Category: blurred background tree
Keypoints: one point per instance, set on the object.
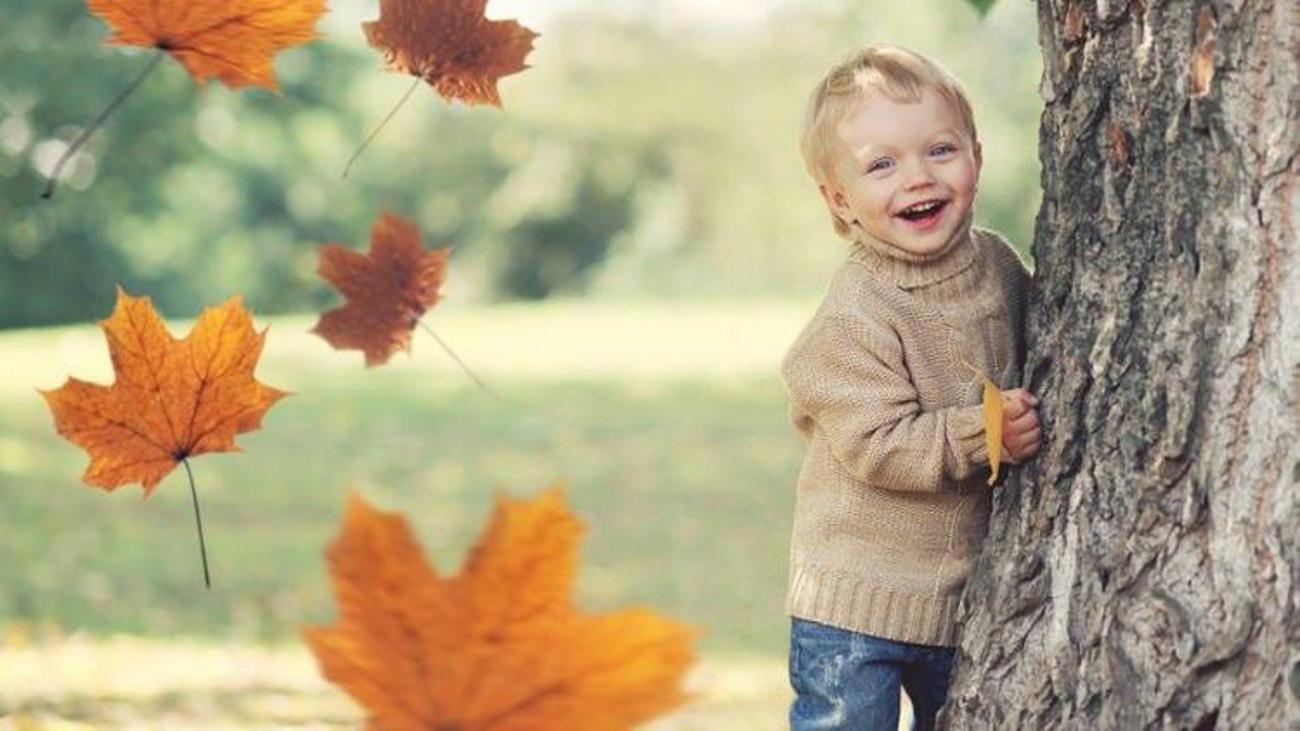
(651, 151)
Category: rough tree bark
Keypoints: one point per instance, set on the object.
(1144, 573)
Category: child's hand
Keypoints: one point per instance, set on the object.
(1020, 431)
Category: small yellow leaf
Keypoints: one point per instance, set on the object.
(993, 426)
(1203, 58)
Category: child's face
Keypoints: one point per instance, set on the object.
(906, 171)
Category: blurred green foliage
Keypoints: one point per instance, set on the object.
(641, 156)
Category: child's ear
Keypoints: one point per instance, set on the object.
(836, 201)
(979, 159)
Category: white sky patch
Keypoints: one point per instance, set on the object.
(342, 21)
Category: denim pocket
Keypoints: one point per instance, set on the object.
(818, 654)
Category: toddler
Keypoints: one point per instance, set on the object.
(892, 501)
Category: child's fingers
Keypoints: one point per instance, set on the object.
(1013, 405)
(1027, 439)
(1018, 398)
(1019, 395)
(1030, 449)
(1022, 422)
(1026, 453)
(1020, 428)
(1024, 445)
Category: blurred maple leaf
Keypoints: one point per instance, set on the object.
(500, 646)
(233, 40)
(451, 45)
(172, 400)
(388, 290)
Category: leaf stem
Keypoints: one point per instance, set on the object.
(98, 122)
(459, 362)
(382, 124)
(198, 520)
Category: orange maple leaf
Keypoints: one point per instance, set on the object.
(388, 290)
(451, 45)
(232, 40)
(499, 647)
(172, 399)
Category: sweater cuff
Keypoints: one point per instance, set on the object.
(966, 434)
(966, 439)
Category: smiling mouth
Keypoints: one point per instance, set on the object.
(924, 211)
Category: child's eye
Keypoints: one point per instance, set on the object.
(945, 148)
(880, 164)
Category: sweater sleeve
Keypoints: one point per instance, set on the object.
(1016, 281)
(848, 381)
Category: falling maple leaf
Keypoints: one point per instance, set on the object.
(172, 399)
(233, 40)
(388, 290)
(498, 647)
(451, 45)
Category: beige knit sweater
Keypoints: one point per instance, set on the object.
(892, 502)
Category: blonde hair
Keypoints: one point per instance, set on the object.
(898, 73)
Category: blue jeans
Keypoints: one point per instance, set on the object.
(847, 680)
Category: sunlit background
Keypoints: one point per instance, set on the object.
(635, 243)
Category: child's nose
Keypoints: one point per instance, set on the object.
(917, 175)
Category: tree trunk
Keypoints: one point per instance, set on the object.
(1144, 571)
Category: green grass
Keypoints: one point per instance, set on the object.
(666, 422)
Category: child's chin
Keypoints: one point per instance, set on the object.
(923, 242)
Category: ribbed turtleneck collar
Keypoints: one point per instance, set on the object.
(910, 270)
